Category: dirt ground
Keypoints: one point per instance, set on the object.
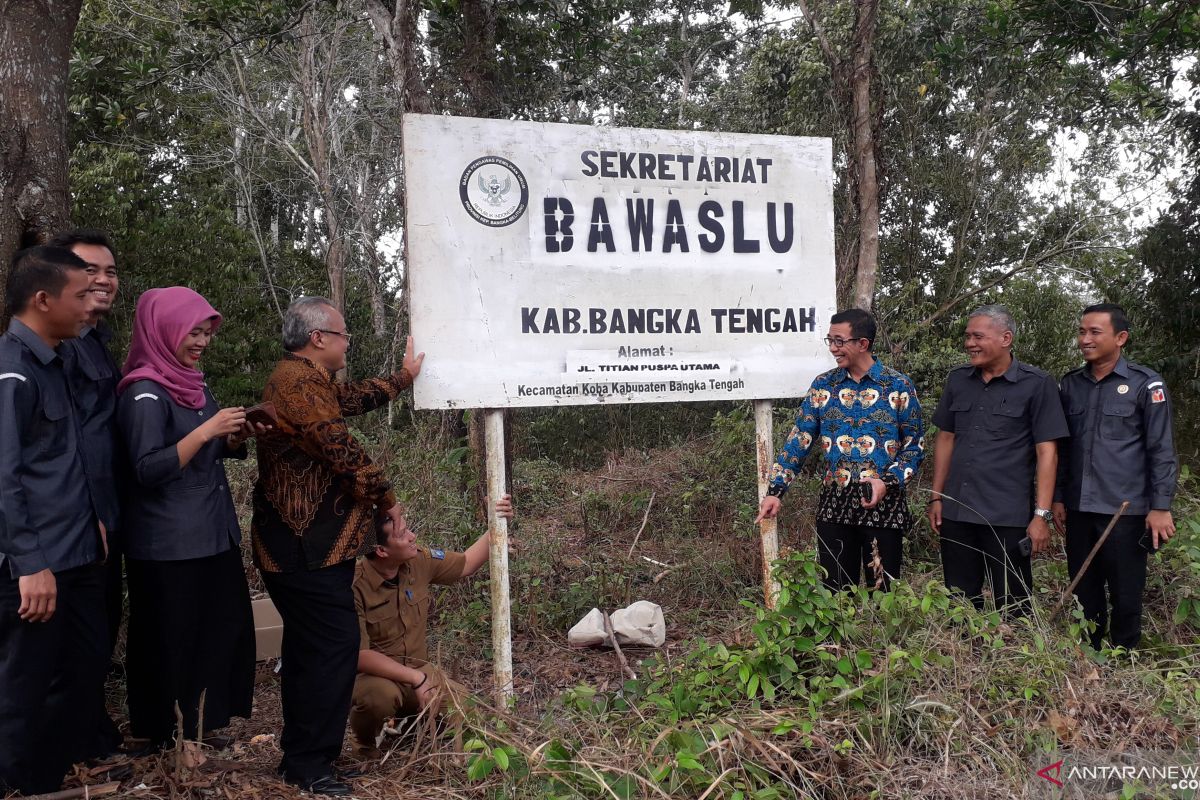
(419, 767)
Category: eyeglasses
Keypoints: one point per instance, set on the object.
(347, 336)
(840, 342)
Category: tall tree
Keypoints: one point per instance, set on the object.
(35, 57)
(855, 96)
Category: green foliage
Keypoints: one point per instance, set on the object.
(1174, 572)
(573, 435)
(493, 758)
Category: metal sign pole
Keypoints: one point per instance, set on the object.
(502, 669)
(768, 528)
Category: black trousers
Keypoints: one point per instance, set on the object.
(972, 552)
(320, 662)
(51, 681)
(114, 594)
(108, 737)
(845, 553)
(1120, 566)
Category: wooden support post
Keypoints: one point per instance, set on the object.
(768, 528)
(502, 670)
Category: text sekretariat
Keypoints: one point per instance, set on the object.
(669, 224)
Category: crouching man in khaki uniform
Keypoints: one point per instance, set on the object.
(391, 595)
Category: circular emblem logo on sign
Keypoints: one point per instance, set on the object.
(493, 191)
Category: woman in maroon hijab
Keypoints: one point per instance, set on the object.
(191, 633)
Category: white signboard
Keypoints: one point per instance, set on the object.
(565, 264)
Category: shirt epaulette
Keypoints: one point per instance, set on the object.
(1075, 371)
(1144, 370)
(1031, 369)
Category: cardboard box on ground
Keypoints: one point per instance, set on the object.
(268, 629)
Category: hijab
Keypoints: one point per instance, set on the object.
(163, 319)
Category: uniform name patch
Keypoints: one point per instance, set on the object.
(436, 553)
(1158, 396)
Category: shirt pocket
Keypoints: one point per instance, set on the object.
(1076, 419)
(1006, 420)
(961, 409)
(97, 371)
(417, 610)
(380, 620)
(52, 423)
(1119, 420)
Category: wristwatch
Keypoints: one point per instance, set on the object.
(1044, 513)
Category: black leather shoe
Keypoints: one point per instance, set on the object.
(326, 785)
(218, 741)
(349, 773)
(143, 749)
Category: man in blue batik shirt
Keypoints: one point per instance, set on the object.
(867, 419)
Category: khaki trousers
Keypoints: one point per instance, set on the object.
(377, 699)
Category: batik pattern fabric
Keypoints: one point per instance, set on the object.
(866, 429)
(318, 490)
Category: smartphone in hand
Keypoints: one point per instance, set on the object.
(262, 414)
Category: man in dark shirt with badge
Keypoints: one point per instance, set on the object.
(53, 635)
(1121, 448)
(999, 421)
(93, 374)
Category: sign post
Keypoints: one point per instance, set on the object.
(768, 528)
(558, 265)
(502, 671)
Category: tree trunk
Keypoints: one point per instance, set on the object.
(314, 79)
(35, 54)
(865, 167)
(401, 36)
(478, 69)
(851, 89)
(335, 264)
(375, 290)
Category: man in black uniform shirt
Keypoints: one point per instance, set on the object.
(1121, 448)
(93, 374)
(53, 635)
(999, 421)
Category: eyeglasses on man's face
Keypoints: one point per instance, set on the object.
(837, 341)
(347, 336)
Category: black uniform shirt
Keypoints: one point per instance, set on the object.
(94, 375)
(43, 486)
(1121, 445)
(996, 426)
(173, 513)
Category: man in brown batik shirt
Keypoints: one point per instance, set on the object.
(315, 504)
